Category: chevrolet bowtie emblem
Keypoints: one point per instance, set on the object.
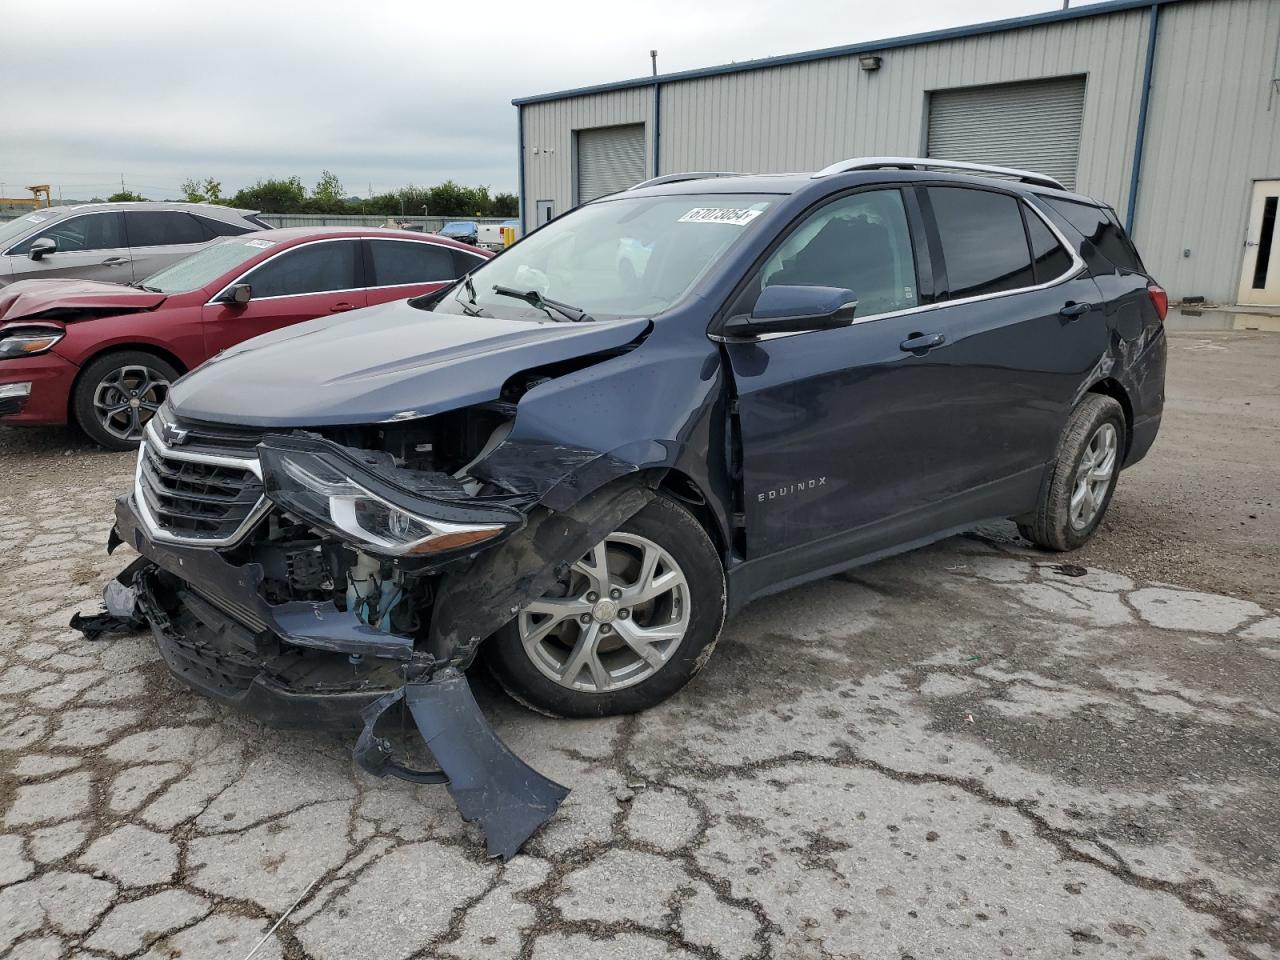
(173, 435)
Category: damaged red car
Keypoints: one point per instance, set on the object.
(104, 355)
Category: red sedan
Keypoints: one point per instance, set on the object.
(103, 354)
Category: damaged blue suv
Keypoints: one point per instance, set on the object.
(577, 461)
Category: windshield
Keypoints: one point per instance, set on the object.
(633, 256)
(16, 228)
(203, 268)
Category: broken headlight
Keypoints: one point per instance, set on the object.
(363, 497)
(28, 343)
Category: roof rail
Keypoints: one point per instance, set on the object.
(681, 177)
(927, 163)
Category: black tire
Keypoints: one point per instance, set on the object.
(124, 367)
(673, 529)
(1052, 525)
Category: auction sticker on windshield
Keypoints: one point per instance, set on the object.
(738, 216)
(263, 244)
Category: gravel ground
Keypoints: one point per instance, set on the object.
(965, 751)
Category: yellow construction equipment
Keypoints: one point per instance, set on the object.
(33, 201)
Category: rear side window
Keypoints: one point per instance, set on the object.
(399, 262)
(93, 231)
(1049, 256)
(220, 228)
(984, 245)
(1101, 227)
(314, 268)
(160, 228)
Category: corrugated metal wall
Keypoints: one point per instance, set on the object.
(549, 161)
(1213, 128)
(804, 116)
(1210, 132)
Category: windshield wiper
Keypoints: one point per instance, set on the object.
(469, 306)
(139, 285)
(535, 299)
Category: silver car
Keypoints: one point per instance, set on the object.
(120, 242)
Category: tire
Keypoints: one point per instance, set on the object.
(113, 382)
(619, 680)
(1072, 504)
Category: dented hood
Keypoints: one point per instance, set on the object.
(387, 361)
(30, 298)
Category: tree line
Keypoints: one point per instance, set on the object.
(290, 195)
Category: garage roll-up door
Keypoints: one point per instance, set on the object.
(1034, 125)
(609, 159)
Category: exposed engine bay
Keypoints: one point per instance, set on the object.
(354, 572)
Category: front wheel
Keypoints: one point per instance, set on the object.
(118, 393)
(1084, 477)
(628, 625)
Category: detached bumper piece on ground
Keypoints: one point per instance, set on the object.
(305, 663)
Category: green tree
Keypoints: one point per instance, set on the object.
(327, 197)
(207, 190)
(124, 196)
(273, 196)
(506, 205)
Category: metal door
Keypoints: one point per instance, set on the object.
(609, 159)
(1260, 280)
(1035, 126)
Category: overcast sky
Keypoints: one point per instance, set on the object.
(381, 92)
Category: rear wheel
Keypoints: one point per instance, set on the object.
(629, 624)
(1084, 477)
(118, 393)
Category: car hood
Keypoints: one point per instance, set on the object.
(62, 299)
(383, 362)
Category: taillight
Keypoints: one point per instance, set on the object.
(1159, 299)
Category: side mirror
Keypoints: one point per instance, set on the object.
(240, 294)
(42, 248)
(794, 309)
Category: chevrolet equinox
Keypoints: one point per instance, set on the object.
(576, 461)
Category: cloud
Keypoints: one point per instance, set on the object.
(383, 93)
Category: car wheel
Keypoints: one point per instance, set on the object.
(1084, 477)
(117, 394)
(627, 626)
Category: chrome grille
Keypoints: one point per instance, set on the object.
(194, 496)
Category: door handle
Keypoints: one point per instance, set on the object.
(922, 343)
(1251, 243)
(1072, 310)
(342, 307)
(116, 261)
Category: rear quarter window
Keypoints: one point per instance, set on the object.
(1101, 228)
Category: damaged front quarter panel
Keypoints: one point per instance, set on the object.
(476, 595)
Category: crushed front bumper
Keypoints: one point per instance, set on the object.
(309, 664)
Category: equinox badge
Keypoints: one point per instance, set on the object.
(790, 489)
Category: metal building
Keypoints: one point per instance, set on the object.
(1167, 109)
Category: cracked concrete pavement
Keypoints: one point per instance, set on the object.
(969, 751)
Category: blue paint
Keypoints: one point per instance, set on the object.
(827, 53)
(520, 198)
(1135, 175)
(657, 129)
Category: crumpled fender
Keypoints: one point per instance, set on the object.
(475, 600)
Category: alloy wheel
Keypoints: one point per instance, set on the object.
(1094, 475)
(126, 398)
(615, 620)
